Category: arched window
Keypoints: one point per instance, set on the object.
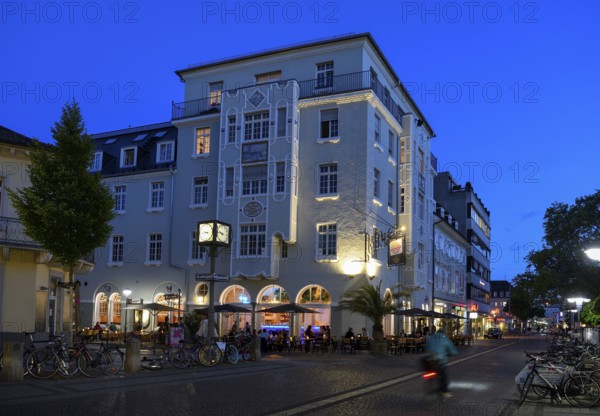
(315, 294)
(115, 308)
(101, 314)
(274, 294)
(235, 294)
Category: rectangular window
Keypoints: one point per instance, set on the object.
(377, 129)
(254, 180)
(165, 152)
(128, 157)
(280, 177)
(198, 252)
(391, 143)
(402, 152)
(420, 255)
(157, 195)
(214, 93)
(284, 250)
(256, 126)
(200, 191)
(231, 128)
(253, 240)
(329, 123)
(268, 77)
(376, 179)
(117, 249)
(281, 122)
(327, 241)
(119, 193)
(328, 179)
(155, 247)
(421, 161)
(96, 165)
(375, 243)
(402, 201)
(255, 152)
(391, 194)
(325, 75)
(202, 141)
(421, 206)
(229, 182)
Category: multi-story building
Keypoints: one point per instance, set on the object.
(499, 305)
(315, 154)
(474, 223)
(450, 265)
(31, 295)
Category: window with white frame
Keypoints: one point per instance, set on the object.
(253, 239)
(256, 126)
(231, 128)
(327, 241)
(329, 123)
(117, 249)
(268, 77)
(165, 152)
(157, 195)
(197, 252)
(202, 145)
(325, 75)
(128, 157)
(120, 196)
(402, 152)
(200, 191)
(280, 177)
(391, 143)
(377, 129)
(391, 194)
(254, 180)
(154, 247)
(376, 180)
(96, 164)
(328, 179)
(215, 89)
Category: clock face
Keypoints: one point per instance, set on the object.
(223, 234)
(205, 233)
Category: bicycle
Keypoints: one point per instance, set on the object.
(105, 361)
(28, 348)
(229, 352)
(580, 389)
(47, 362)
(187, 354)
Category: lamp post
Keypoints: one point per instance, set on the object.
(593, 252)
(212, 234)
(126, 293)
(578, 303)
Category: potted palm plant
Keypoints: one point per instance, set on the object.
(367, 301)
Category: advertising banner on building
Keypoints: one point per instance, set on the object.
(396, 251)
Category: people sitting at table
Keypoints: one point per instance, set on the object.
(349, 333)
(364, 333)
(308, 336)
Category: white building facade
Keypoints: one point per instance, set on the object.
(313, 154)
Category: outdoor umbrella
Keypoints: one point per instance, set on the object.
(453, 316)
(154, 307)
(290, 308)
(227, 307)
(417, 312)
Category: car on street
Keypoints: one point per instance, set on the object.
(493, 333)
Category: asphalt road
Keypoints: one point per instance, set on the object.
(482, 383)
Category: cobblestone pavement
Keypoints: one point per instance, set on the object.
(295, 383)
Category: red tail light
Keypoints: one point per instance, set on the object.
(429, 374)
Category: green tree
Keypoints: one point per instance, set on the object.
(368, 302)
(523, 299)
(67, 208)
(560, 267)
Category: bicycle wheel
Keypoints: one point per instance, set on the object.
(526, 387)
(42, 363)
(90, 364)
(582, 391)
(232, 354)
(209, 355)
(179, 357)
(112, 361)
(68, 366)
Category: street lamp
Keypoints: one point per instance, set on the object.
(126, 293)
(213, 234)
(593, 252)
(578, 303)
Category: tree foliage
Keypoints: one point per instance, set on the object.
(67, 208)
(368, 302)
(560, 269)
(524, 303)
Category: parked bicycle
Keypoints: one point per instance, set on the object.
(47, 362)
(28, 348)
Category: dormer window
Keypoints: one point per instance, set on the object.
(128, 157)
(96, 164)
(165, 152)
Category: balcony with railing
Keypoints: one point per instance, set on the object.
(329, 85)
(12, 233)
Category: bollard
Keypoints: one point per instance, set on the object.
(12, 361)
(256, 354)
(132, 356)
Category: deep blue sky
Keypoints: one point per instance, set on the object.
(510, 87)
